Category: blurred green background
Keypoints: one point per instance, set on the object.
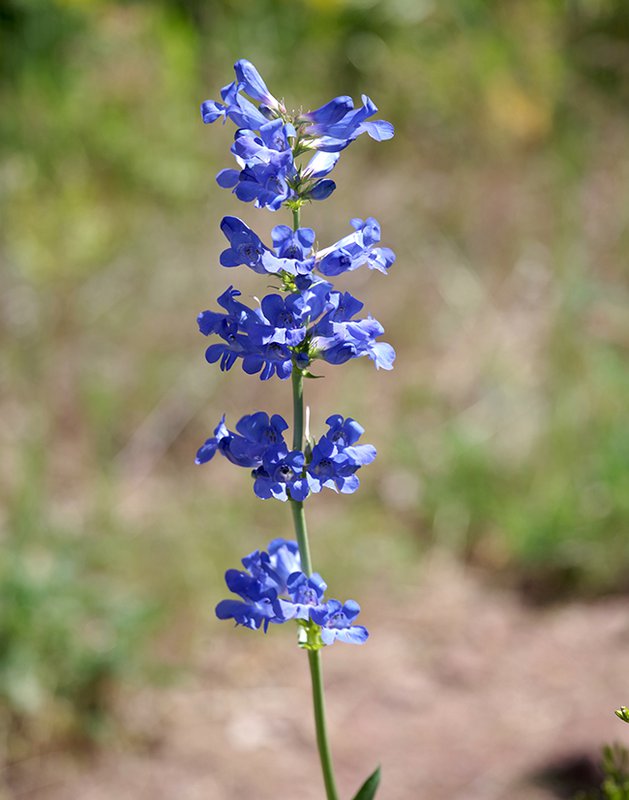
(503, 432)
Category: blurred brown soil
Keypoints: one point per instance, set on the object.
(462, 692)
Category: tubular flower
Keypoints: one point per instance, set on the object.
(314, 322)
(258, 444)
(293, 251)
(336, 622)
(356, 249)
(273, 589)
(268, 140)
(333, 126)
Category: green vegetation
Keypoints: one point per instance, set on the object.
(616, 770)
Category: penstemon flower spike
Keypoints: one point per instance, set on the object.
(304, 320)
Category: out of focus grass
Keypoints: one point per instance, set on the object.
(503, 432)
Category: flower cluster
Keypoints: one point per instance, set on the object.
(274, 589)
(293, 254)
(284, 160)
(268, 140)
(282, 473)
(316, 322)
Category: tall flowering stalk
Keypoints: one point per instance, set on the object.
(283, 161)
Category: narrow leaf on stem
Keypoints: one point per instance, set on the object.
(369, 788)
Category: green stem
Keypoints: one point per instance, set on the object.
(298, 409)
(314, 657)
(299, 521)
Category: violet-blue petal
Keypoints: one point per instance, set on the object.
(251, 81)
(227, 178)
(321, 190)
(332, 111)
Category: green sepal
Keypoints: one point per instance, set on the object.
(369, 788)
(307, 374)
(622, 713)
(309, 637)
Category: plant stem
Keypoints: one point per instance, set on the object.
(299, 519)
(296, 216)
(318, 701)
(314, 656)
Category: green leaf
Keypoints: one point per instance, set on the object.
(369, 788)
(308, 374)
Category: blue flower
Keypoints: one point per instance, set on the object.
(332, 127)
(336, 621)
(274, 568)
(293, 249)
(337, 337)
(259, 444)
(238, 109)
(356, 249)
(245, 246)
(257, 433)
(266, 577)
(264, 183)
(267, 140)
(273, 589)
(314, 322)
(281, 475)
(284, 559)
(284, 320)
(306, 596)
(267, 165)
(259, 355)
(336, 457)
(251, 82)
(257, 607)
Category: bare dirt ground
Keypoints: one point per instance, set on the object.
(461, 692)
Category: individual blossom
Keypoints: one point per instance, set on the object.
(285, 319)
(306, 596)
(336, 457)
(284, 559)
(333, 126)
(250, 80)
(256, 433)
(281, 475)
(356, 249)
(338, 337)
(336, 621)
(256, 607)
(292, 249)
(274, 568)
(239, 109)
(242, 112)
(245, 246)
(266, 167)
